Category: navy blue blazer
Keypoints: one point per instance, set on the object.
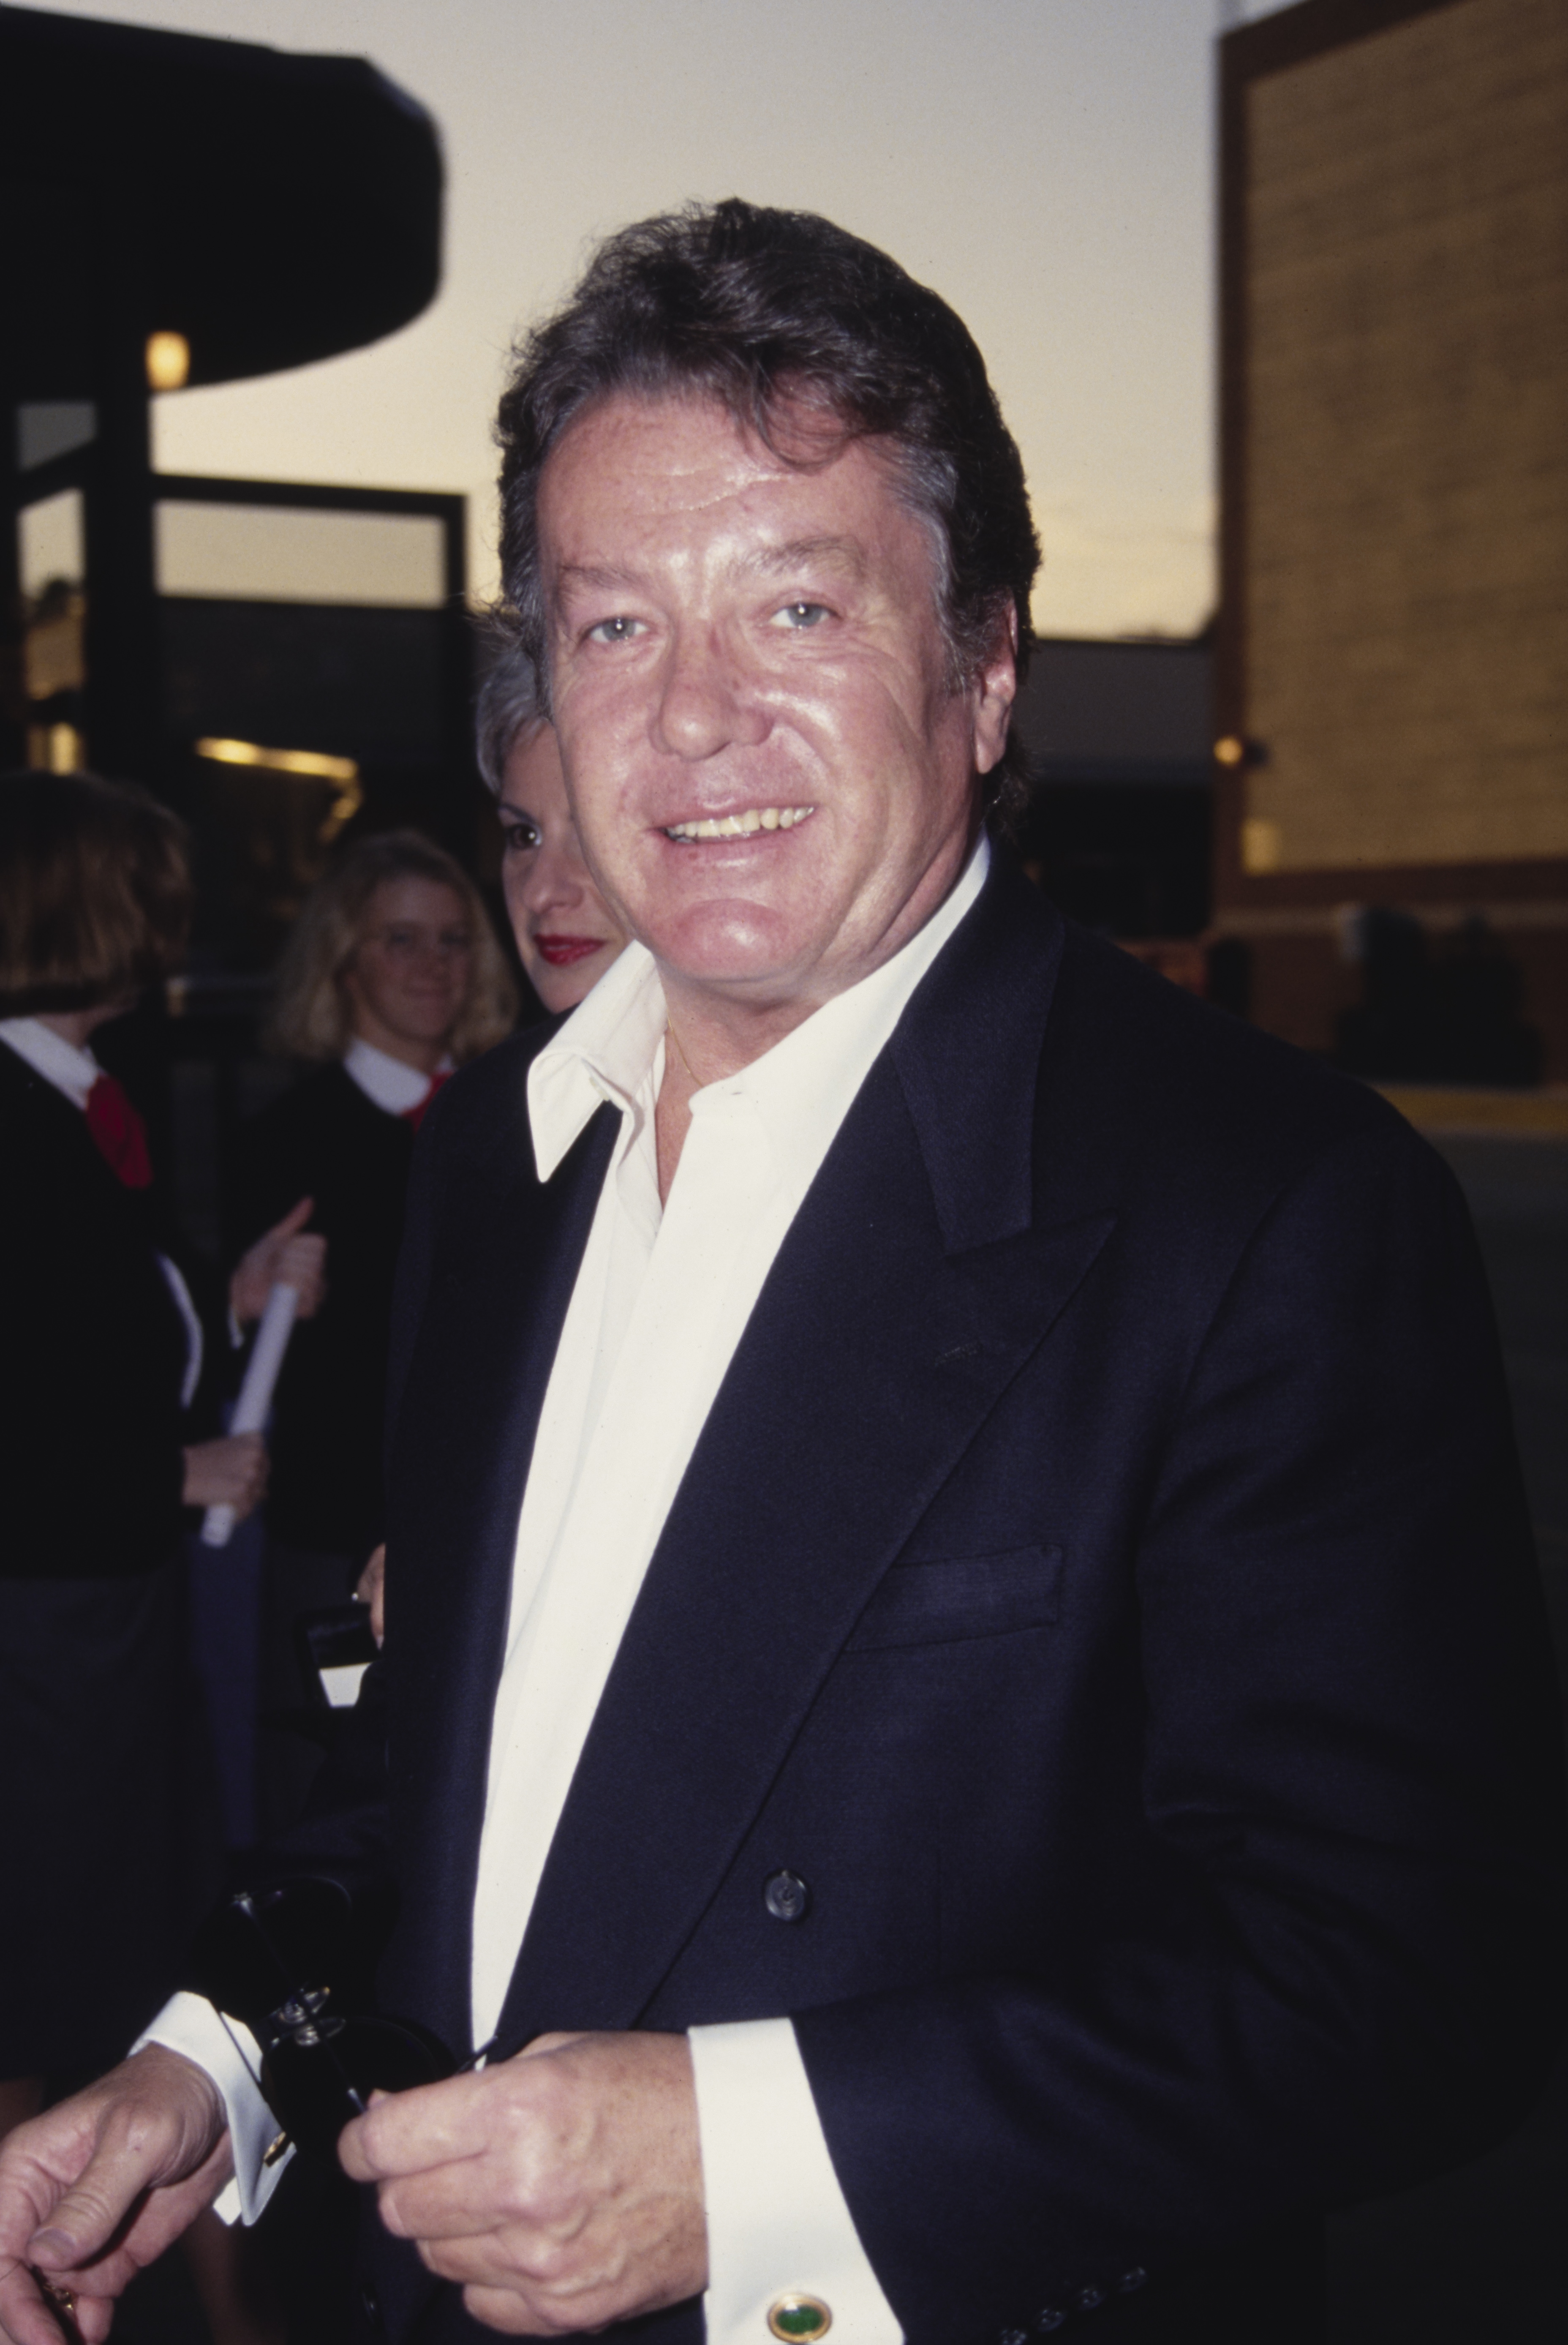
(1102, 1580)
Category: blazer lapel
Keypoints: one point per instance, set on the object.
(507, 1258)
(910, 1290)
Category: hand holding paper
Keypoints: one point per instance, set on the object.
(284, 1255)
(254, 1402)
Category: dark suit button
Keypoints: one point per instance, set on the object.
(1051, 2317)
(1132, 2279)
(786, 1896)
(371, 2304)
(1089, 2298)
(1014, 2337)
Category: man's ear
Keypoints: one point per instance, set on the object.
(995, 689)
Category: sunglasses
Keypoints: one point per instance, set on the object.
(294, 1964)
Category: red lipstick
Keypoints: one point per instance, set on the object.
(561, 951)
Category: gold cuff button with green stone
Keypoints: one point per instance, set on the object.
(799, 2317)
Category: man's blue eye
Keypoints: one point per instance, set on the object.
(801, 614)
(613, 631)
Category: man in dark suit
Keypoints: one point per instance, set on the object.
(963, 1685)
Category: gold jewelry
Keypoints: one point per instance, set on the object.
(62, 2301)
(802, 2318)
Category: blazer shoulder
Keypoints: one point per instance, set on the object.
(322, 1137)
(26, 1101)
(327, 1099)
(1051, 1075)
(45, 1146)
(488, 1093)
(1164, 1077)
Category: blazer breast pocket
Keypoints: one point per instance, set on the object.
(971, 1595)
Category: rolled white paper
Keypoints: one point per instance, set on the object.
(254, 1402)
(341, 1684)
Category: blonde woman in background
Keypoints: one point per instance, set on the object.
(392, 978)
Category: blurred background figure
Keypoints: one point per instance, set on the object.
(392, 977)
(1451, 1016)
(105, 1792)
(99, 1734)
(566, 934)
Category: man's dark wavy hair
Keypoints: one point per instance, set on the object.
(757, 308)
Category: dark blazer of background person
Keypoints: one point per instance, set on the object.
(326, 1139)
(109, 1836)
(1102, 1580)
(93, 1429)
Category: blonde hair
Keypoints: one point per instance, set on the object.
(95, 891)
(310, 1015)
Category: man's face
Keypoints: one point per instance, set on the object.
(738, 642)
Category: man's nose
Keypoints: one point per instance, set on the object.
(705, 702)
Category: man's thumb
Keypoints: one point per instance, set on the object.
(87, 2217)
(66, 2249)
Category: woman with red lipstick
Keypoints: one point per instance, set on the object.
(391, 978)
(566, 934)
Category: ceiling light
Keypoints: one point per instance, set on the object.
(168, 361)
(316, 763)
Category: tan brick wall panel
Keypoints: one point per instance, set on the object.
(1407, 611)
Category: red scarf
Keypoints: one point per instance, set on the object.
(121, 1134)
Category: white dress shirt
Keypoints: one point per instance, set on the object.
(389, 1084)
(661, 1302)
(71, 1070)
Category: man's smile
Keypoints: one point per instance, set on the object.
(738, 825)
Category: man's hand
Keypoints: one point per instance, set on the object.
(99, 2185)
(281, 1256)
(561, 2190)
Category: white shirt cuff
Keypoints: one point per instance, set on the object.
(777, 2221)
(228, 2053)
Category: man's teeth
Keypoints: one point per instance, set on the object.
(740, 825)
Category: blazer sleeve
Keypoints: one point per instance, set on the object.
(1344, 1966)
